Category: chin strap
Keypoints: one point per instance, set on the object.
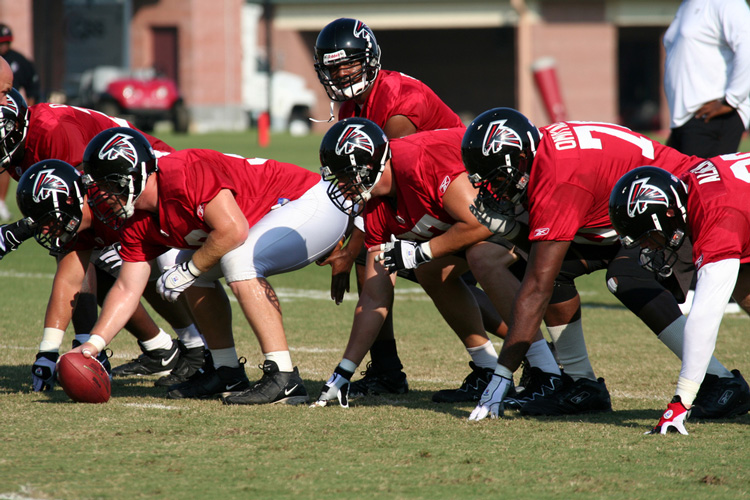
(329, 120)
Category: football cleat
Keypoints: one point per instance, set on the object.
(274, 387)
(191, 360)
(538, 385)
(377, 380)
(156, 362)
(572, 398)
(212, 383)
(471, 389)
(721, 397)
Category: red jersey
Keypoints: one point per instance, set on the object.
(424, 165)
(575, 168)
(717, 209)
(189, 179)
(395, 93)
(61, 132)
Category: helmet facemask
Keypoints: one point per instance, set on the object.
(351, 187)
(14, 124)
(112, 198)
(502, 190)
(57, 230)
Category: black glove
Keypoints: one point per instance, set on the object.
(398, 255)
(12, 235)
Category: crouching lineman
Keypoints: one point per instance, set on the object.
(50, 195)
(56, 131)
(563, 175)
(654, 210)
(244, 219)
(414, 196)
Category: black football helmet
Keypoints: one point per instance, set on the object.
(50, 193)
(117, 163)
(14, 123)
(353, 154)
(647, 208)
(344, 42)
(498, 150)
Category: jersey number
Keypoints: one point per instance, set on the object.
(422, 230)
(739, 167)
(588, 141)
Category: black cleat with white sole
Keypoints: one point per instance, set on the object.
(156, 362)
(213, 383)
(274, 387)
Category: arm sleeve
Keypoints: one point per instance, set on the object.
(713, 290)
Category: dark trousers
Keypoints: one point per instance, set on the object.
(719, 136)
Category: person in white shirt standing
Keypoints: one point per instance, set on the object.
(707, 76)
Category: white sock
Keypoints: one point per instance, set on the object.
(540, 356)
(51, 340)
(282, 359)
(673, 337)
(225, 357)
(161, 341)
(484, 356)
(571, 350)
(189, 336)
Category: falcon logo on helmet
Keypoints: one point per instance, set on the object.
(353, 138)
(48, 183)
(361, 30)
(642, 195)
(497, 136)
(11, 104)
(119, 145)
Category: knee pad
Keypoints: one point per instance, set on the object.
(564, 289)
(639, 291)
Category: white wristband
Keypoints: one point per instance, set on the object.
(193, 269)
(98, 342)
(426, 249)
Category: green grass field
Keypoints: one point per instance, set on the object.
(141, 445)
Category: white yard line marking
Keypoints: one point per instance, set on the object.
(152, 406)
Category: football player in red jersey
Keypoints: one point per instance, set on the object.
(654, 210)
(563, 175)
(414, 195)
(347, 60)
(53, 131)
(244, 219)
(51, 194)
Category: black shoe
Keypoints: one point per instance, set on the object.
(471, 389)
(103, 357)
(538, 385)
(378, 381)
(573, 398)
(191, 360)
(212, 383)
(721, 397)
(274, 387)
(156, 362)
